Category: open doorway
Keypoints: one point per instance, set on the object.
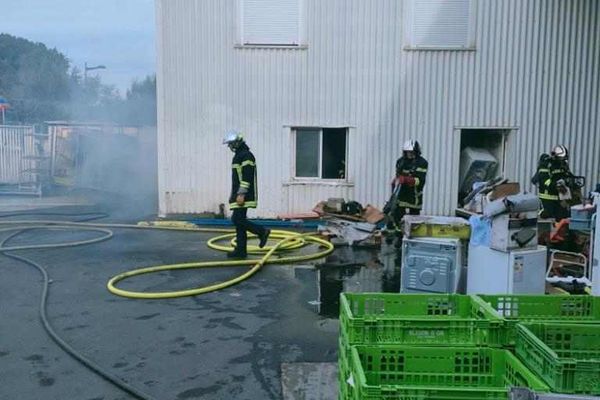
(482, 157)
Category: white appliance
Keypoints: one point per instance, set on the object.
(515, 272)
(476, 165)
(431, 265)
(514, 233)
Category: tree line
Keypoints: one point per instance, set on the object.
(41, 85)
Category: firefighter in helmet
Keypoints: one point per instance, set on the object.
(244, 194)
(552, 179)
(411, 173)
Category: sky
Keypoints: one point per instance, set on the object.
(119, 34)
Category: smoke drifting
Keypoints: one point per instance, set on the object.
(98, 139)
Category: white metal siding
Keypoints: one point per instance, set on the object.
(535, 69)
(298, 196)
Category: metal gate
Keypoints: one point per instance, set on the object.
(19, 160)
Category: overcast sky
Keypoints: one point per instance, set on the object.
(117, 33)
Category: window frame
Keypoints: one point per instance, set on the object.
(295, 130)
(409, 45)
(301, 45)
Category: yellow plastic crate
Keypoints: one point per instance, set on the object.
(437, 227)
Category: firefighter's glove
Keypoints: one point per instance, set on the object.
(240, 200)
(407, 180)
(562, 186)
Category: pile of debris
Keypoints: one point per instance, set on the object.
(484, 193)
(348, 222)
(350, 211)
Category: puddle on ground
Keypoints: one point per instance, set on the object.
(349, 270)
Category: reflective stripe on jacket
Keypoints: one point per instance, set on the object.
(412, 196)
(243, 179)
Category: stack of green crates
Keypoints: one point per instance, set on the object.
(529, 308)
(557, 337)
(565, 356)
(418, 319)
(412, 372)
(429, 346)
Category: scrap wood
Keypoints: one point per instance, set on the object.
(319, 208)
(504, 190)
(346, 217)
(305, 215)
(372, 215)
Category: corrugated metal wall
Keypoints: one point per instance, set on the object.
(535, 69)
(304, 196)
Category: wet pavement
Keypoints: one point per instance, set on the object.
(225, 345)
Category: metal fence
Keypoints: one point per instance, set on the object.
(17, 147)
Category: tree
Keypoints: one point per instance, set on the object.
(140, 103)
(34, 79)
(91, 100)
(40, 85)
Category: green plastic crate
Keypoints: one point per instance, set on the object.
(410, 372)
(418, 319)
(565, 356)
(528, 308)
(343, 371)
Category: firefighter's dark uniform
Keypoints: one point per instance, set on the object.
(410, 197)
(546, 178)
(243, 181)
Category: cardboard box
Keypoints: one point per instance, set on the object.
(505, 189)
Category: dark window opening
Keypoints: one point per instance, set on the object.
(321, 153)
(334, 153)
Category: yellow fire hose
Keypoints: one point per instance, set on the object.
(287, 241)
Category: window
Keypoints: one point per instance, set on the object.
(321, 153)
(440, 24)
(270, 22)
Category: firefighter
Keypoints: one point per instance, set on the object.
(411, 172)
(552, 177)
(244, 194)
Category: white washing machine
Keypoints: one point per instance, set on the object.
(431, 265)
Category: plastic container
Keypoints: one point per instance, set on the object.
(418, 319)
(581, 218)
(531, 308)
(343, 370)
(406, 372)
(564, 356)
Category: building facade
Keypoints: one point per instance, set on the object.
(326, 92)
